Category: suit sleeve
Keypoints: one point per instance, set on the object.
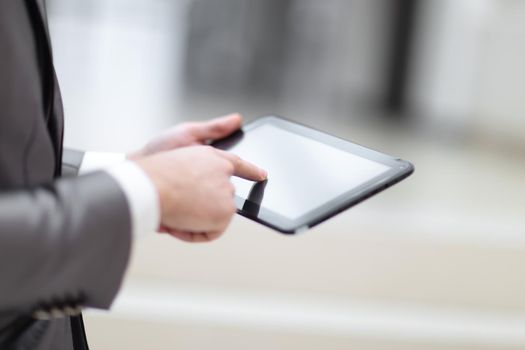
(65, 241)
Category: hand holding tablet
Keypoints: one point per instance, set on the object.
(312, 176)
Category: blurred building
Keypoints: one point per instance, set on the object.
(324, 55)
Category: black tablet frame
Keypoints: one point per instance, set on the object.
(400, 169)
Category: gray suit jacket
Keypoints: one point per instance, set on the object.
(64, 241)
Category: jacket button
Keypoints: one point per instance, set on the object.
(41, 315)
(57, 313)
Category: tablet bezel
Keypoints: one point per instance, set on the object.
(400, 169)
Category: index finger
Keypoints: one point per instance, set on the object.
(244, 169)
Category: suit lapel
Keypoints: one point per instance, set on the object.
(53, 103)
(41, 6)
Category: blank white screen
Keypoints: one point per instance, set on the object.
(303, 174)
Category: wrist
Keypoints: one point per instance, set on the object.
(141, 194)
(148, 166)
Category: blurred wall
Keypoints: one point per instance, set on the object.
(468, 74)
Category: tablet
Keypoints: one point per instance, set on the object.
(312, 176)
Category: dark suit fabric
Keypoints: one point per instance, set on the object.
(64, 240)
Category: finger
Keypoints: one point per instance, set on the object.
(193, 237)
(217, 128)
(163, 229)
(244, 169)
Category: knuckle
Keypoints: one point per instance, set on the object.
(236, 159)
(229, 167)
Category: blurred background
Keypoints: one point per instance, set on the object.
(436, 262)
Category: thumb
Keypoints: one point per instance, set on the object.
(217, 128)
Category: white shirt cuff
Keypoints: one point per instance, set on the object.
(140, 192)
(100, 160)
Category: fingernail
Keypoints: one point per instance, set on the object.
(264, 174)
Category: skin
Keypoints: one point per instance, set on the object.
(193, 179)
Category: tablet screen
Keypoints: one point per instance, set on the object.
(302, 173)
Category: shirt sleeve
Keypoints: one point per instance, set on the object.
(140, 192)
